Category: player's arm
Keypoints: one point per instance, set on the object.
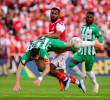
(25, 58)
(43, 53)
(99, 35)
(17, 86)
(44, 73)
(100, 40)
(47, 67)
(53, 35)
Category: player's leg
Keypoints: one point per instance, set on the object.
(78, 43)
(92, 43)
(76, 59)
(60, 62)
(62, 65)
(61, 85)
(57, 73)
(89, 65)
(61, 59)
(60, 75)
(77, 82)
(57, 45)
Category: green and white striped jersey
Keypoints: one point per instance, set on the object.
(89, 33)
(45, 45)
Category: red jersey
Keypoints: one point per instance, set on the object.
(58, 27)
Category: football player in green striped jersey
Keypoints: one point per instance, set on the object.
(42, 47)
(89, 32)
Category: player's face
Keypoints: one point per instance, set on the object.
(54, 15)
(89, 18)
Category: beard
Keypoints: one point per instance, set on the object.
(89, 22)
(53, 19)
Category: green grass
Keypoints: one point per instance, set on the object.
(49, 90)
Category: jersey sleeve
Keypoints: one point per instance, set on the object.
(25, 58)
(99, 35)
(60, 27)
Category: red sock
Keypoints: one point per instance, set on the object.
(61, 85)
(60, 75)
(73, 79)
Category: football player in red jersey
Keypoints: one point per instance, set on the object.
(56, 26)
(57, 29)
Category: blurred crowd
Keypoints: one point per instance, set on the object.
(22, 21)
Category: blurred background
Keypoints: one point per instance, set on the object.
(24, 20)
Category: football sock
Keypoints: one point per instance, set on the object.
(61, 85)
(60, 75)
(73, 79)
(78, 72)
(91, 75)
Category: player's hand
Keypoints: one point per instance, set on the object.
(17, 88)
(37, 82)
(99, 45)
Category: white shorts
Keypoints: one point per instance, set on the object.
(60, 60)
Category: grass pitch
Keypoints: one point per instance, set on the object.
(49, 90)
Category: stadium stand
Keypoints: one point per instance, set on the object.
(22, 21)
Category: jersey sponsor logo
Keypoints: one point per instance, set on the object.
(104, 68)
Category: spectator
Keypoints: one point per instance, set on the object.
(3, 55)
